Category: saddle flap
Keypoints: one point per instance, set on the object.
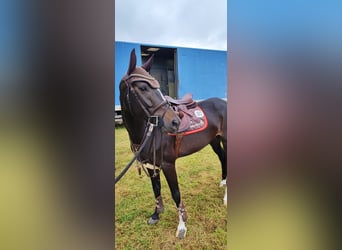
(192, 120)
(185, 123)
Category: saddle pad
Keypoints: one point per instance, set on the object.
(192, 121)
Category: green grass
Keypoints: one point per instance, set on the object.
(198, 175)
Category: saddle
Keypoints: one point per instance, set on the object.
(185, 100)
(187, 110)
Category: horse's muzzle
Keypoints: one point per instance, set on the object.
(175, 124)
(171, 122)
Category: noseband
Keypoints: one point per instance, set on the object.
(150, 113)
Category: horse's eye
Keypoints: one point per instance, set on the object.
(143, 88)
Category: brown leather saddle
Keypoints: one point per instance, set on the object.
(186, 110)
(185, 100)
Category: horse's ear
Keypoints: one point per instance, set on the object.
(147, 65)
(132, 62)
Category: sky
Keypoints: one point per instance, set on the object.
(183, 23)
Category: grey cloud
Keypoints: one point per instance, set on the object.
(181, 23)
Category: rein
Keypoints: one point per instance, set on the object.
(147, 135)
(141, 164)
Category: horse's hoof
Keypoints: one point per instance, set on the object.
(152, 221)
(180, 234)
(225, 202)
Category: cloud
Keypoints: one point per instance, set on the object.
(192, 23)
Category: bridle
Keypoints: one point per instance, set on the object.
(152, 122)
(129, 81)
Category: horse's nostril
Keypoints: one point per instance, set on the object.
(175, 123)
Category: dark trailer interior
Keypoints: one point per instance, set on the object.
(164, 67)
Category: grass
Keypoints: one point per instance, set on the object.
(198, 176)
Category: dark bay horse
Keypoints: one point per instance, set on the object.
(142, 101)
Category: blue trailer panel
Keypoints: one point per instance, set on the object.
(198, 71)
(202, 73)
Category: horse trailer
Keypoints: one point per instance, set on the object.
(179, 70)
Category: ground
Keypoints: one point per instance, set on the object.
(199, 176)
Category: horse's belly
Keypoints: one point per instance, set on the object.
(191, 145)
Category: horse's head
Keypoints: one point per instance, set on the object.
(141, 96)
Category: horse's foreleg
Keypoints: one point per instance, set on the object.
(171, 178)
(159, 201)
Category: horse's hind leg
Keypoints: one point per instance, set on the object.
(171, 178)
(221, 153)
(159, 201)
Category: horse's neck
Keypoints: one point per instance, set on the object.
(136, 128)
